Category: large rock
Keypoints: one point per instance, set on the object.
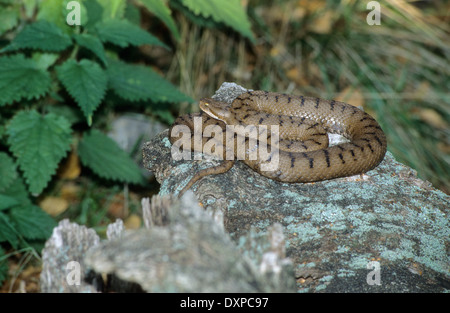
(181, 249)
(184, 250)
(385, 231)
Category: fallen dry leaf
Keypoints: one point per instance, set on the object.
(323, 23)
(296, 76)
(432, 117)
(312, 5)
(71, 168)
(116, 207)
(54, 205)
(132, 222)
(351, 96)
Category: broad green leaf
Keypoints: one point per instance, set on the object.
(86, 82)
(21, 78)
(162, 11)
(18, 191)
(93, 44)
(102, 154)
(32, 222)
(9, 17)
(39, 142)
(133, 14)
(72, 114)
(137, 82)
(41, 35)
(229, 12)
(7, 231)
(123, 34)
(94, 13)
(8, 171)
(196, 19)
(7, 202)
(45, 60)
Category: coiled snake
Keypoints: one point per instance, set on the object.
(303, 151)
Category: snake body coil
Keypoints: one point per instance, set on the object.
(304, 155)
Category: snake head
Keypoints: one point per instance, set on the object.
(216, 109)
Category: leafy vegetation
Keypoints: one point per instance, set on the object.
(62, 69)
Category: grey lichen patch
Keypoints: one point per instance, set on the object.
(328, 213)
(302, 233)
(404, 251)
(324, 282)
(342, 249)
(433, 253)
(166, 142)
(389, 215)
(289, 195)
(359, 261)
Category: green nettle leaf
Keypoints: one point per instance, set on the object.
(18, 191)
(7, 202)
(7, 170)
(39, 142)
(229, 12)
(162, 11)
(9, 17)
(21, 78)
(7, 231)
(41, 35)
(102, 154)
(93, 44)
(45, 60)
(32, 222)
(123, 34)
(94, 13)
(86, 82)
(136, 82)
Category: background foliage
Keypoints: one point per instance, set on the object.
(61, 85)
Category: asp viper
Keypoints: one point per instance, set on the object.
(303, 151)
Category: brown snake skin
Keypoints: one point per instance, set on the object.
(304, 155)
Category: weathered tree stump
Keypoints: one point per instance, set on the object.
(182, 249)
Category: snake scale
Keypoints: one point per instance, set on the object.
(304, 154)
